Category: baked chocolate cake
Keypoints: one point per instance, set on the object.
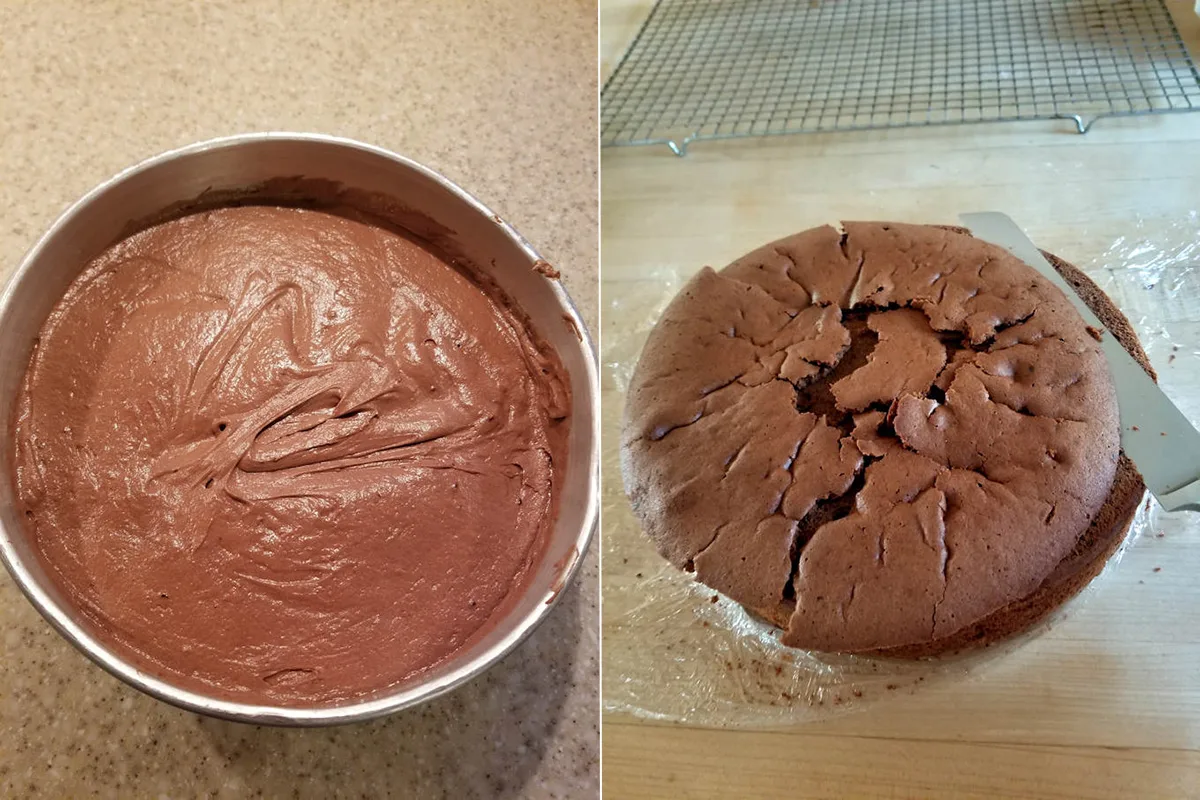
(894, 439)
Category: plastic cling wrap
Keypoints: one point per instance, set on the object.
(676, 650)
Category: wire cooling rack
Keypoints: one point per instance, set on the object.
(713, 69)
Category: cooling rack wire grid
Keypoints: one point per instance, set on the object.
(717, 69)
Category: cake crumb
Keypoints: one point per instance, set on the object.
(1095, 333)
(714, 599)
(546, 269)
(1134, 428)
(1160, 535)
(891, 687)
(572, 327)
(1158, 569)
(858, 692)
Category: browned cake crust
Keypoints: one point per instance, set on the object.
(897, 439)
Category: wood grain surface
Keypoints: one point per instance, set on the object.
(1107, 703)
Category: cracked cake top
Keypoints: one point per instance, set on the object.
(874, 438)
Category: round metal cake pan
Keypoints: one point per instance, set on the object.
(307, 169)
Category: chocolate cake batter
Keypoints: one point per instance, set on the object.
(879, 439)
(285, 457)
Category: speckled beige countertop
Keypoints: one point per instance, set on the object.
(500, 97)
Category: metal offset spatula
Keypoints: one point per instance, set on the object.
(1154, 434)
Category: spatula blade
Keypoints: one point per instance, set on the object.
(1154, 433)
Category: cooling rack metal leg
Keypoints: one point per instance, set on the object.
(1080, 125)
(680, 147)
